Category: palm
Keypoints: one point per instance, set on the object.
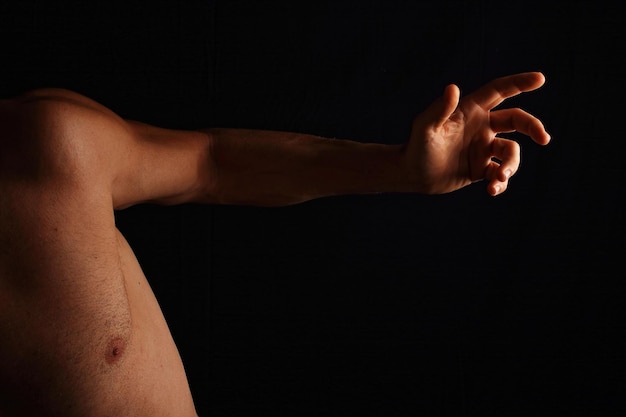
(454, 143)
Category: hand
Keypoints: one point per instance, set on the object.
(454, 143)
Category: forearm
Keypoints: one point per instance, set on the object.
(265, 168)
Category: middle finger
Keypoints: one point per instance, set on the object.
(511, 120)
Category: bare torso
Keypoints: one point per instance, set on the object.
(81, 332)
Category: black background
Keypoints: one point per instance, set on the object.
(390, 305)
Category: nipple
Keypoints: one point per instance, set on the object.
(115, 350)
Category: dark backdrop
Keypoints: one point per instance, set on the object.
(394, 305)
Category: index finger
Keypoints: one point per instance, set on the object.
(495, 92)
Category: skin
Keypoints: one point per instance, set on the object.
(454, 141)
(82, 333)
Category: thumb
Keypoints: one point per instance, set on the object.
(442, 109)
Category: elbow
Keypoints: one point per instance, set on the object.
(208, 189)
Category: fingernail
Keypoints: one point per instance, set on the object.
(507, 173)
(496, 189)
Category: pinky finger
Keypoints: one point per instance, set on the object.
(508, 154)
(496, 184)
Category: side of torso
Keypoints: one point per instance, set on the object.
(81, 331)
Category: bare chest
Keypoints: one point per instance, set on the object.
(89, 349)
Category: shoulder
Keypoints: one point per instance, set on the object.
(60, 97)
(57, 131)
(55, 107)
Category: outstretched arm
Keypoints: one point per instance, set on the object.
(452, 144)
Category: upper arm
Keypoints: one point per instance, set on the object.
(136, 162)
(163, 166)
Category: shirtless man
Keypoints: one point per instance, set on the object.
(81, 333)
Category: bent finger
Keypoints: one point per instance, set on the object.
(511, 120)
(495, 185)
(507, 152)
